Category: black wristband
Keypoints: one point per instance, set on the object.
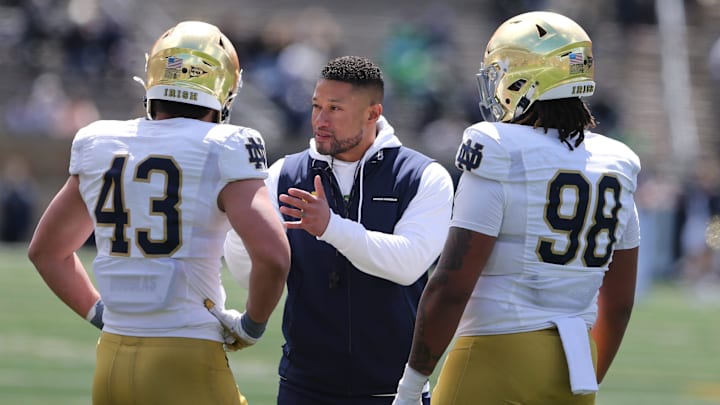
(252, 328)
(97, 320)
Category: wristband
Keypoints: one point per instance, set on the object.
(254, 329)
(412, 382)
(95, 315)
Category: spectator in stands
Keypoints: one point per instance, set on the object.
(17, 200)
(410, 54)
(284, 57)
(699, 205)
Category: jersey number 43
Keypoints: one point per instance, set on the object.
(110, 209)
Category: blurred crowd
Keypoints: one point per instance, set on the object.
(71, 64)
(61, 50)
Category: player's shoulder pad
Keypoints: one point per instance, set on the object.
(633, 160)
(482, 153)
(623, 156)
(235, 137)
(100, 127)
(229, 132)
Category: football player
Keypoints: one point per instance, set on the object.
(160, 193)
(537, 277)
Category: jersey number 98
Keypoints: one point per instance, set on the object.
(580, 223)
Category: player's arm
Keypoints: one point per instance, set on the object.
(63, 228)
(446, 294)
(470, 242)
(615, 303)
(254, 218)
(441, 306)
(236, 256)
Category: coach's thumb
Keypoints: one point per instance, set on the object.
(319, 190)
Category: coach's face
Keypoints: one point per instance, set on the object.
(343, 119)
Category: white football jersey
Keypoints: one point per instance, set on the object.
(557, 215)
(151, 188)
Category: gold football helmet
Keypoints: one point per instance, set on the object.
(194, 63)
(534, 56)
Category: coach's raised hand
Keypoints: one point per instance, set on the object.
(311, 208)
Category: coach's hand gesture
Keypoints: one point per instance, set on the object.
(311, 208)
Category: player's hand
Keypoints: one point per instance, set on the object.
(235, 336)
(400, 400)
(311, 209)
(410, 387)
(405, 399)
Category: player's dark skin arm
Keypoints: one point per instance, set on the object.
(615, 304)
(464, 256)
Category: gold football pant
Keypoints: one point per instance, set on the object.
(163, 370)
(510, 369)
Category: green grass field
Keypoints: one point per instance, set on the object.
(671, 354)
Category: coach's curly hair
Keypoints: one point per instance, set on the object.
(356, 70)
(570, 116)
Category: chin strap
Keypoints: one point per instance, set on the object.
(227, 108)
(225, 114)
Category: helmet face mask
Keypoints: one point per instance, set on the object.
(488, 78)
(534, 56)
(193, 63)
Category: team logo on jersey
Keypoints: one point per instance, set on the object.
(256, 153)
(469, 155)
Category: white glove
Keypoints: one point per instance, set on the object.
(234, 327)
(410, 387)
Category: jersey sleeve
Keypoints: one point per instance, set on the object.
(628, 162)
(243, 156)
(482, 154)
(473, 192)
(631, 237)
